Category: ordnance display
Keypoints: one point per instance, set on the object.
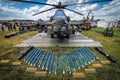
(61, 47)
(74, 60)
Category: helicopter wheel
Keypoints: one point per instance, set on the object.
(52, 35)
(68, 36)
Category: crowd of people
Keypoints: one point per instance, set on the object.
(9, 25)
(15, 25)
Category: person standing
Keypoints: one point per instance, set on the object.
(14, 26)
(2, 27)
(10, 25)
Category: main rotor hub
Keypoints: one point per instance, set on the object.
(59, 3)
(60, 6)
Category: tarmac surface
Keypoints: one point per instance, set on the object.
(43, 40)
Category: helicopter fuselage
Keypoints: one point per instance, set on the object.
(60, 25)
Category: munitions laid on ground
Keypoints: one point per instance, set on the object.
(25, 52)
(111, 58)
(74, 60)
(68, 64)
(14, 34)
(56, 65)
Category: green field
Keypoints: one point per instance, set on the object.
(109, 72)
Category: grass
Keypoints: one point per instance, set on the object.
(109, 72)
(6, 45)
(111, 45)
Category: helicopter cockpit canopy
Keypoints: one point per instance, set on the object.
(59, 19)
(59, 15)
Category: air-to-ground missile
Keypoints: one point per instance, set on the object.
(48, 61)
(79, 58)
(88, 56)
(75, 59)
(82, 57)
(51, 64)
(45, 60)
(43, 57)
(30, 55)
(37, 56)
(92, 53)
(85, 57)
(32, 58)
(63, 66)
(92, 56)
(68, 64)
(25, 52)
(71, 60)
(56, 66)
(100, 50)
(111, 58)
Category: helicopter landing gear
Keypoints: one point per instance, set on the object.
(52, 35)
(68, 36)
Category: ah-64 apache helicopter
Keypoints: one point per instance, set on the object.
(60, 24)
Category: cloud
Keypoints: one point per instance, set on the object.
(107, 11)
(9, 12)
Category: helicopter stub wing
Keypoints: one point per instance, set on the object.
(45, 23)
(76, 23)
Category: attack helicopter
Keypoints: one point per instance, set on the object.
(60, 22)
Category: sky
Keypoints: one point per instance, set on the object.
(17, 10)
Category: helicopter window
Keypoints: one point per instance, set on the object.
(59, 15)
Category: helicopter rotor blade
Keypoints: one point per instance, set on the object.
(43, 11)
(73, 11)
(32, 2)
(88, 2)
